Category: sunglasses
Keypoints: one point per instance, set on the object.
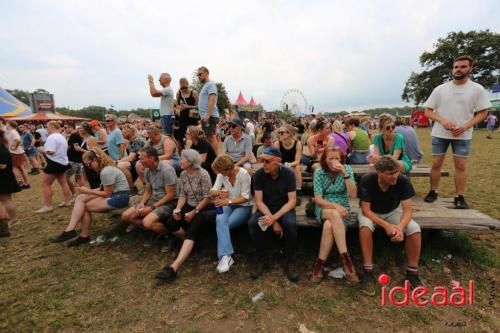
(108, 121)
(266, 161)
(184, 88)
(199, 74)
(282, 132)
(390, 128)
(233, 126)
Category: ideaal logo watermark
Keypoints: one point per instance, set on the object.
(440, 296)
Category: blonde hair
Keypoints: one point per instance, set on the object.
(196, 132)
(384, 119)
(337, 126)
(103, 159)
(290, 129)
(223, 162)
(55, 124)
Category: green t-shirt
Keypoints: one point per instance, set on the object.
(361, 141)
(397, 144)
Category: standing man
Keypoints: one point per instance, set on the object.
(207, 107)
(167, 115)
(17, 152)
(455, 107)
(115, 140)
(275, 198)
(491, 121)
(385, 198)
(29, 148)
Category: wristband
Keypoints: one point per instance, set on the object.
(347, 177)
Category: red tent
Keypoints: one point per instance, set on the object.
(45, 117)
(252, 102)
(240, 100)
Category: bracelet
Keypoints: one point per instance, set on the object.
(347, 177)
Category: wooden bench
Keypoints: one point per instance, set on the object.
(437, 215)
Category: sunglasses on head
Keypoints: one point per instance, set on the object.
(390, 128)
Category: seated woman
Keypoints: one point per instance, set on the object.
(388, 142)
(333, 184)
(360, 142)
(231, 191)
(340, 138)
(319, 142)
(195, 139)
(291, 150)
(190, 215)
(115, 194)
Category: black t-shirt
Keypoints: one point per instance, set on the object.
(384, 202)
(275, 191)
(300, 128)
(73, 155)
(203, 147)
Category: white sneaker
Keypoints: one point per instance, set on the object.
(45, 209)
(130, 228)
(224, 264)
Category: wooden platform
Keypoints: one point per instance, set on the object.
(437, 215)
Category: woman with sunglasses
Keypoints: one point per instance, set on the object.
(388, 142)
(115, 194)
(333, 185)
(187, 100)
(291, 150)
(192, 211)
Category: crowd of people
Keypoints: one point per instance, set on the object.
(195, 166)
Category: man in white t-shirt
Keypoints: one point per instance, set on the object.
(455, 107)
(167, 115)
(17, 152)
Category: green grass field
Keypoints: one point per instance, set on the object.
(47, 287)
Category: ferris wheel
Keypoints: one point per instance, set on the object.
(294, 101)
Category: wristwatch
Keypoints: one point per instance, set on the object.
(230, 202)
(196, 211)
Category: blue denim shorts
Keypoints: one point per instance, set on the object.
(167, 124)
(119, 199)
(460, 148)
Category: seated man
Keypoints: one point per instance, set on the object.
(267, 141)
(157, 201)
(275, 199)
(239, 146)
(381, 195)
(127, 164)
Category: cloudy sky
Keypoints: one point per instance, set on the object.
(340, 54)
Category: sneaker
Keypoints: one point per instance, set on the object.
(25, 186)
(63, 204)
(431, 196)
(292, 272)
(64, 236)
(368, 284)
(224, 264)
(258, 270)
(459, 202)
(167, 274)
(4, 228)
(79, 241)
(130, 228)
(414, 280)
(45, 209)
